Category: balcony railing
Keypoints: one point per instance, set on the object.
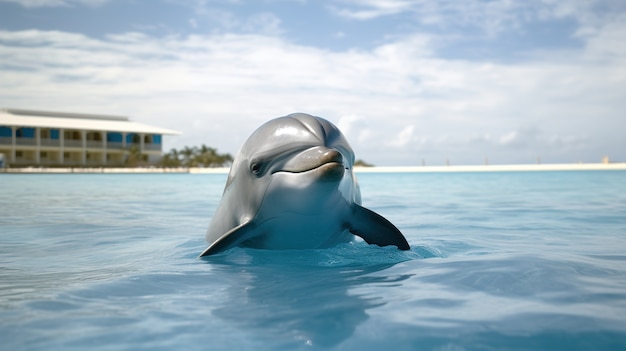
(49, 161)
(115, 145)
(73, 143)
(95, 144)
(50, 142)
(153, 147)
(22, 161)
(25, 141)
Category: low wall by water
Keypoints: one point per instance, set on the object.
(66, 170)
(414, 169)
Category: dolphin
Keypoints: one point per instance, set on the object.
(292, 186)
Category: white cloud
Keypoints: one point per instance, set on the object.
(521, 137)
(368, 9)
(606, 40)
(404, 138)
(347, 123)
(218, 88)
(355, 128)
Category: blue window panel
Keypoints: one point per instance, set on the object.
(25, 133)
(130, 137)
(6, 132)
(54, 134)
(114, 137)
(156, 139)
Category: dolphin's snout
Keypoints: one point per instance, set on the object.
(331, 155)
(313, 158)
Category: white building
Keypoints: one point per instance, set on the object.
(40, 138)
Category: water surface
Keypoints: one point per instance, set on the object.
(519, 260)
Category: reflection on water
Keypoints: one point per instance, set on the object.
(300, 298)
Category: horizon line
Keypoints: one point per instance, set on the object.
(374, 169)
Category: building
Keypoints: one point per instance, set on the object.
(40, 138)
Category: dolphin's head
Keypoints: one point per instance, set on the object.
(292, 186)
(298, 152)
(295, 143)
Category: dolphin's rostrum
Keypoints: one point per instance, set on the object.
(292, 186)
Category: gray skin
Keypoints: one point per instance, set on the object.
(292, 186)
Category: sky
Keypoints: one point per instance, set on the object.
(408, 82)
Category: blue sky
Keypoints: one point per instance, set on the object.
(407, 81)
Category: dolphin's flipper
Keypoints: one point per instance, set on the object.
(376, 229)
(231, 239)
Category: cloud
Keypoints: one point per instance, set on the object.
(264, 22)
(404, 138)
(349, 123)
(398, 102)
(56, 3)
(355, 128)
(489, 17)
(606, 40)
(221, 21)
(208, 14)
(369, 9)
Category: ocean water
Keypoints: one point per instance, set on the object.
(499, 261)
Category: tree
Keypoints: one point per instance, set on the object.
(203, 156)
(361, 163)
(134, 157)
(171, 159)
(188, 156)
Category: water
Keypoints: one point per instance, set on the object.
(517, 261)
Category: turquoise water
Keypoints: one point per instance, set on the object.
(499, 261)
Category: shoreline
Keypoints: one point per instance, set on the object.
(497, 168)
(402, 169)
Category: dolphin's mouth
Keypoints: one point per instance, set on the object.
(316, 158)
(323, 167)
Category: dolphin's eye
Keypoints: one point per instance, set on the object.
(255, 168)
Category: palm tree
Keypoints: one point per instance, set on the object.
(203, 156)
(171, 159)
(134, 157)
(188, 156)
